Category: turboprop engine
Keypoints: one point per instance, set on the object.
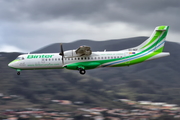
(70, 53)
(81, 51)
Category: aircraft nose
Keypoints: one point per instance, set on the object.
(10, 65)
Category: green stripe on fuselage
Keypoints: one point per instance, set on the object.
(85, 64)
(141, 59)
(112, 60)
(97, 63)
(94, 64)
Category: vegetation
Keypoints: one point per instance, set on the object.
(156, 80)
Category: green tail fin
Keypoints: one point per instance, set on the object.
(155, 41)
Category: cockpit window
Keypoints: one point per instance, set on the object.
(20, 58)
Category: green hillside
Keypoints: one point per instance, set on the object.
(157, 80)
(38, 85)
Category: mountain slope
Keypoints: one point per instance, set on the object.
(157, 80)
(109, 45)
(145, 70)
(38, 85)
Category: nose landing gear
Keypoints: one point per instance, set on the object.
(18, 73)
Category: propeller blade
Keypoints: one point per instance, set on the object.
(61, 48)
(62, 53)
(62, 60)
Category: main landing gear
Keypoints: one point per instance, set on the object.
(82, 71)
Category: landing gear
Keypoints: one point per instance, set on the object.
(82, 71)
(18, 73)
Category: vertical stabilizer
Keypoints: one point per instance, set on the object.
(156, 41)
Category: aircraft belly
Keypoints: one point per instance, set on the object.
(86, 65)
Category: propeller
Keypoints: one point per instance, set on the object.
(62, 53)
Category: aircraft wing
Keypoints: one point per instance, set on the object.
(83, 50)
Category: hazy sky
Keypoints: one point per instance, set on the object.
(27, 25)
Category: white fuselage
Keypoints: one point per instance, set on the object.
(54, 60)
(83, 58)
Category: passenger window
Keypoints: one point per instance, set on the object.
(104, 57)
(85, 58)
(101, 57)
(49, 59)
(88, 58)
(74, 58)
(82, 58)
(55, 59)
(22, 58)
(59, 58)
(78, 58)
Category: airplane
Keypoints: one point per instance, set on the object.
(83, 58)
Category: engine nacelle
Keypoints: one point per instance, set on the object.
(81, 51)
(70, 53)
